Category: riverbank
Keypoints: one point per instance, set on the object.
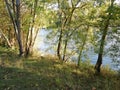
(48, 73)
(45, 45)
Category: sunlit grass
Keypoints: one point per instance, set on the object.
(48, 73)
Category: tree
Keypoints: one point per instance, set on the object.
(106, 22)
(25, 16)
(15, 18)
(29, 38)
(84, 38)
(6, 28)
(65, 12)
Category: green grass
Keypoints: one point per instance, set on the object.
(48, 73)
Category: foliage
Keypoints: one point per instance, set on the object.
(114, 49)
(74, 26)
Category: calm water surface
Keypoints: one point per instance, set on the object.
(44, 48)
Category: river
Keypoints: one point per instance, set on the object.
(47, 48)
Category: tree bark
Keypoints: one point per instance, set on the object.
(29, 39)
(16, 22)
(83, 44)
(59, 44)
(18, 27)
(64, 23)
(61, 32)
(65, 47)
(99, 60)
(105, 29)
(5, 37)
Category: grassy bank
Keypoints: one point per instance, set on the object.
(48, 73)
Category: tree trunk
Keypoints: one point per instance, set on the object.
(5, 37)
(79, 57)
(84, 42)
(65, 48)
(99, 60)
(18, 27)
(63, 25)
(105, 29)
(16, 22)
(30, 39)
(59, 44)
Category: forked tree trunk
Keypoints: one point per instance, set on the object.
(30, 39)
(15, 18)
(64, 23)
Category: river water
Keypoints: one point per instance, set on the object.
(47, 48)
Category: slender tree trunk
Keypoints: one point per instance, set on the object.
(82, 47)
(18, 26)
(11, 16)
(6, 38)
(68, 21)
(60, 38)
(99, 60)
(30, 40)
(16, 22)
(59, 44)
(64, 23)
(79, 57)
(105, 29)
(65, 48)
(34, 39)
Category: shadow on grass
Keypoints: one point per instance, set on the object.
(35, 76)
(17, 79)
(50, 74)
(47, 75)
(8, 54)
(58, 76)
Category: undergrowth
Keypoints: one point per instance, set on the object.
(48, 73)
